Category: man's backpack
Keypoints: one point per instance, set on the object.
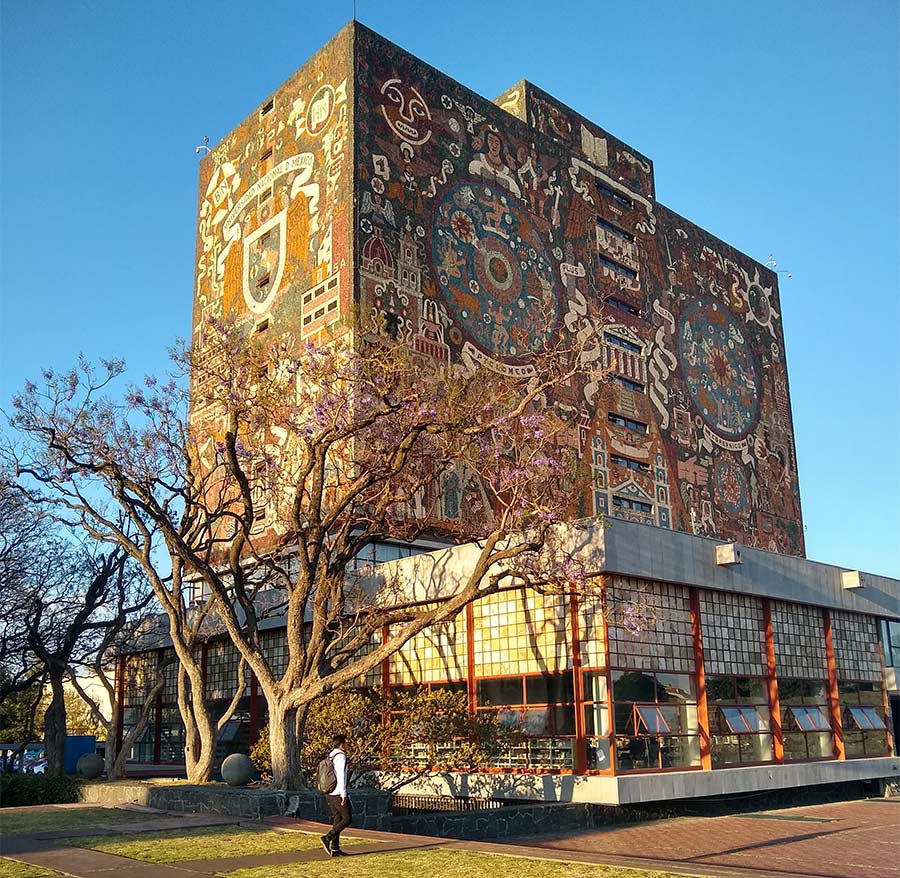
(326, 777)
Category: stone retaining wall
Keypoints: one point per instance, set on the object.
(370, 809)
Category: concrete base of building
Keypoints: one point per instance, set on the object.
(656, 786)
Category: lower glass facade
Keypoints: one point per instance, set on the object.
(638, 676)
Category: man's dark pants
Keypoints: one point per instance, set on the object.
(340, 819)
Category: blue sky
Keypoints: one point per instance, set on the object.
(771, 124)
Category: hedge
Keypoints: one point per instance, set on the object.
(37, 789)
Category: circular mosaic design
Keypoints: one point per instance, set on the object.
(731, 489)
(496, 278)
(721, 371)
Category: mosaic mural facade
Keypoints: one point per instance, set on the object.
(479, 230)
(484, 228)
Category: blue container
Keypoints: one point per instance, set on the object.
(76, 747)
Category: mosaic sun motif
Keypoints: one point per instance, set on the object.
(731, 489)
(493, 271)
(720, 369)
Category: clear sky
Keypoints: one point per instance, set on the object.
(772, 124)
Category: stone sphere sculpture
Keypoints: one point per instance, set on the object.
(237, 770)
(90, 766)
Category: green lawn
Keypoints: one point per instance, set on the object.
(11, 869)
(202, 843)
(447, 864)
(21, 821)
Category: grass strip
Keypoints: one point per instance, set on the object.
(446, 864)
(200, 843)
(23, 821)
(12, 869)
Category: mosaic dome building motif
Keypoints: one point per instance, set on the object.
(720, 369)
(495, 276)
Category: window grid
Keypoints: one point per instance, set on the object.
(591, 637)
(275, 649)
(519, 633)
(856, 652)
(649, 625)
(169, 664)
(222, 660)
(799, 635)
(140, 677)
(434, 654)
(734, 638)
(805, 719)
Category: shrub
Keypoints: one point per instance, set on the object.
(37, 789)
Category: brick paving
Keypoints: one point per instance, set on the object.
(841, 840)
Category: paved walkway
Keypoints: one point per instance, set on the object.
(844, 840)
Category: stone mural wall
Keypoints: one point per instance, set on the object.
(483, 230)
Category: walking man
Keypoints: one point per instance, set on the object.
(337, 800)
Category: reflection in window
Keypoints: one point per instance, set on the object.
(739, 720)
(540, 705)
(655, 720)
(862, 715)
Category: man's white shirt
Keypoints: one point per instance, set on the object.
(339, 761)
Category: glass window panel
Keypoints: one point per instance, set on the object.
(859, 718)
(820, 719)
(634, 686)
(874, 718)
(596, 721)
(675, 687)
(594, 686)
(500, 691)
(653, 720)
(550, 689)
(536, 722)
(756, 748)
(720, 690)
(751, 689)
(870, 693)
(564, 720)
(803, 719)
(509, 718)
(734, 719)
(757, 720)
(680, 752)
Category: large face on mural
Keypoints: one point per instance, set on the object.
(490, 266)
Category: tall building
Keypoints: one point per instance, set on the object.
(371, 183)
(369, 180)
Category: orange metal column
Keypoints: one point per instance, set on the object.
(580, 742)
(702, 711)
(609, 693)
(834, 699)
(774, 703)
(470, 655)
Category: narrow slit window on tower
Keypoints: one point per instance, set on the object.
(617, 267)
(623, 343)
(614, 230)
(267, 107)
(627, 423)
(627, 383)
(625, 307)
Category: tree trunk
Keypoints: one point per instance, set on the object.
(113, 760)
(55, 726)
(284, 748)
